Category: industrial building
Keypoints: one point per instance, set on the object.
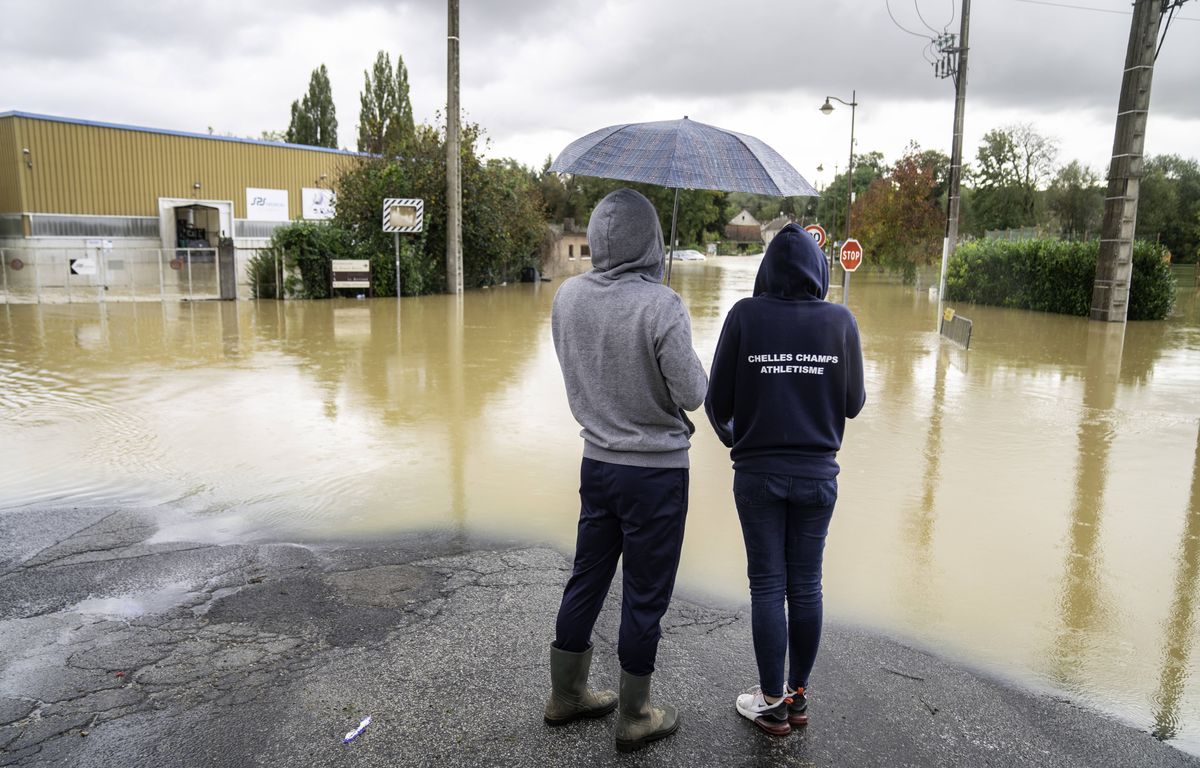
(97, 211)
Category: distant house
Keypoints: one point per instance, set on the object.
(772, 228)
(743, 228)
(565, 249)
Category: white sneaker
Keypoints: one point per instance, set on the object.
(771, 717)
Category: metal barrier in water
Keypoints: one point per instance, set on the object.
(956, 328)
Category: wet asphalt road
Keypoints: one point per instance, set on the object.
(116, 651)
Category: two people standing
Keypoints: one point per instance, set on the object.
(786, 375)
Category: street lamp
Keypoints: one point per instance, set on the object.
(826, 109)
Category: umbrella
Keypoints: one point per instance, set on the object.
(683, 154)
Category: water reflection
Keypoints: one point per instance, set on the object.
(1017, 505)
(1082, 607)
(1180, 629)
(922, 518)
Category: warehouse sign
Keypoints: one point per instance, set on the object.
(266, 204)
(317, 203)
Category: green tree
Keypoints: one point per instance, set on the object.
(385, 117)
(1012, 164)
(831, 210)
(314, 118)
(503, 224)
(1076, 200)
(1169, 205)
(898, 219)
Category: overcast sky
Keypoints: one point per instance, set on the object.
(540, 73)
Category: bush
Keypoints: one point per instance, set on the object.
(1054, 276)
(309, 247)
(265, 282)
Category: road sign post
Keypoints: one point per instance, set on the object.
(851, 257)
(402, 214)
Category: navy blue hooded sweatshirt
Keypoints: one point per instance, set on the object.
(788, 369)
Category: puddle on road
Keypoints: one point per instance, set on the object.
(136, 604)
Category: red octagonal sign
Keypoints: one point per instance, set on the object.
(851, 255)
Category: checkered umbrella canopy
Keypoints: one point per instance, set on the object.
(683, 154)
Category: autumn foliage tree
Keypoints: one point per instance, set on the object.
(898, 219)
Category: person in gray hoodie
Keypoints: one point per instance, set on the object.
(624, 343)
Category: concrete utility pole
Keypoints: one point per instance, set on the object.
(960, 108)
(454, 268)
(1110, 292)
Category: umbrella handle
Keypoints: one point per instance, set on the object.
(671, 245)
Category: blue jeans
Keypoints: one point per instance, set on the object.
(784, 522)
(635, 515)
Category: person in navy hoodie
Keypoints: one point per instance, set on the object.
(786, 375)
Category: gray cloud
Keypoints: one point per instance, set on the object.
(533, 66)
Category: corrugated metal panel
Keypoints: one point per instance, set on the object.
(10, 167)
(81, 168)
(256, 229)
(56, 225)
(10, 225)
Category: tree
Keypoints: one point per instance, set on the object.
(831, 210)
(898, 218)
(1076, 200)
(1169, 205)
(385, 117)
(1012, 164)
(503, 224)
(314, 119)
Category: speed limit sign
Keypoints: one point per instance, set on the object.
(818, 234)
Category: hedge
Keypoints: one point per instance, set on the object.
(1055, 276)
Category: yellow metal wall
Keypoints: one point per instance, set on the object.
(88, 169)
(10, 167)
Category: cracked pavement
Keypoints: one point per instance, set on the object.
(117, 649)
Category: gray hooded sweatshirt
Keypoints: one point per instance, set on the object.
(624, 342)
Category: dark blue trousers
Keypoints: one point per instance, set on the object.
(784, 521)
(635, 514)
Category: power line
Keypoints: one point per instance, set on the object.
(917, 8)
(1097, 10)
(888, 5)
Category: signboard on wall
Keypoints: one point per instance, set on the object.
(266, 204)
(316, 203)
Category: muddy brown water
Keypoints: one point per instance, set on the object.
(1031, 506)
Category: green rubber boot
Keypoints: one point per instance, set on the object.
(570, 698)
(638, 723)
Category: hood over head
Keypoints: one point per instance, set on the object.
(793, 267)
(624, 236)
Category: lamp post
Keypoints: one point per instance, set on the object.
(827, 108)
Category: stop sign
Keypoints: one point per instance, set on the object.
(818, 234)
(851, 255)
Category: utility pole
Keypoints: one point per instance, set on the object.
(1110, 291)
(454, 268)
(959, 72)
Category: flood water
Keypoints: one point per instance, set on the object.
(1031, 506)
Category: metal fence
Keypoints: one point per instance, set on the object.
(68, 275)
(957, 328)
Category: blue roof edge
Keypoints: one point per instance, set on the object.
(185, 134)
